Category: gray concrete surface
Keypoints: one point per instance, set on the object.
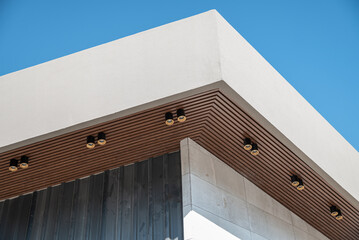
(235, 206)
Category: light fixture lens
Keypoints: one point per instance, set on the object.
(170, 122)
(101, 138)
(24, 165)
(294, 180)
(90, 142)
(90, 145)
(339, 215)
(300, 186)
(254, 150)
(24, 162)
(169, 118)
(247, 145)
(333, 211)
(181, 117)
(13, 165)
(13, 168)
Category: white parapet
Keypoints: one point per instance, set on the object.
(164, 64)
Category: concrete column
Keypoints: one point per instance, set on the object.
(219, 203)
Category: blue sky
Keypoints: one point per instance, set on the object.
(313, 44)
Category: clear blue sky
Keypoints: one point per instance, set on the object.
(313, 44)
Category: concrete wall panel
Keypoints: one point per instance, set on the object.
(238, 208)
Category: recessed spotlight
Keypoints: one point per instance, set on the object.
(13, 165)
(24, 162)
(169, 118)
(254, 150)
(90, 142)
(247, 145)
(300, 186)
(295, 180)
(101, 138)
(333, 211)
(339, 215)
(181, 117)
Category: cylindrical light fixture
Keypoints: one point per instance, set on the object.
(101, 138)
(181, 117)
(24, 162)
(295, 180)
(247, 144)
(300, 186)
(169, 118)
(13, 165)
(90, 142)
(254, 150)
(333, 211)
(339, 215)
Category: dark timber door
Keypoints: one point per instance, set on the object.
(139, 201)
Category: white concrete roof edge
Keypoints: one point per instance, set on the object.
(194, 53)
(256, 81)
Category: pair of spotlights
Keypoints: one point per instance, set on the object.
(335, 212)
(181, 117)
(297, 182)
(101, 140)
(249, 146)
(24, 163)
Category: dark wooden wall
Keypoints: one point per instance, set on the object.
(139, 201)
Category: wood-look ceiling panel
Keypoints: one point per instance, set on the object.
(216, 123)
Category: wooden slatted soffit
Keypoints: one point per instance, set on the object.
(213, 121)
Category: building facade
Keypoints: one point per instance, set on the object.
(179, 132)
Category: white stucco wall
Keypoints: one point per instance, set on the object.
(219, 203)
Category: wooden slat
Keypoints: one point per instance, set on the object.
(215, 122)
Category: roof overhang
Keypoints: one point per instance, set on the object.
(201, 64)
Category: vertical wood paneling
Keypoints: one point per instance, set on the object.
(158, 198)
(142, 200)
(174, 197)
(126, 220)
(64, 217)
(80, 209)
(4, 216)
(39, 215)
(109, 224)
(23, 217)
(52, 214)
(139, 201)
(31, 217)
(95, 207)
(12, 218)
